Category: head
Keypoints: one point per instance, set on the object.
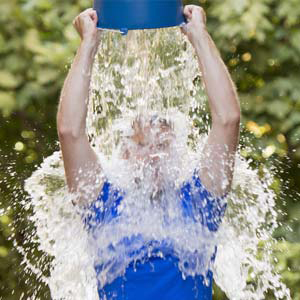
(149, 139)
(152, 148)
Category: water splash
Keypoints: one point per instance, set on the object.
(153, 71)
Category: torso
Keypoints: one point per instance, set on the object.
(154, 269)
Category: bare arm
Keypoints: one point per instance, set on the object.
(80, 161)
(217, 163)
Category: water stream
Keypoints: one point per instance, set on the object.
(147, 72)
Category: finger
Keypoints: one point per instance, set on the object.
(76, 22)
(79, 26)
(88, 10)
(85, 13)
(94, 16)
(91, 14)
(87, 18)
(95, 21)
(188, 11)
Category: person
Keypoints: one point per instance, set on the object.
(151, 135)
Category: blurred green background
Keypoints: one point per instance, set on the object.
(259, 41)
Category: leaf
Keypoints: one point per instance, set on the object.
(3, 251)
(45, 76)
(25, 96)
(295, 40)
(2, 42)
(290, 122)
(289, 10)
(32, 42)
(7, 103)
(279, 109)
(44, 4)
(295, 136)
(8, 80)
(16, 64)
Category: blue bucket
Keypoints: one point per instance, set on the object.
(127, 15)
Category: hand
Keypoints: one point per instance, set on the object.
(196, 22)
(86, 25)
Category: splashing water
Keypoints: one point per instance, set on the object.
(146, 72)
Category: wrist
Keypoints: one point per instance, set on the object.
(200, 37)
(88, 47)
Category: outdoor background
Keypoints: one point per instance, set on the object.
(259, 41)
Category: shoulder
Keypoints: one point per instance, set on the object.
(195, 182)
(201, 204)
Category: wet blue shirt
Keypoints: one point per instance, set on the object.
(158, 278)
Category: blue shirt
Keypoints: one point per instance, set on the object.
(157, 277)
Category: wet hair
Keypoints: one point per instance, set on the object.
(136, 127)
(130, 123)
(154, 119)
(162, 121)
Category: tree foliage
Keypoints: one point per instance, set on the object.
(259, 41)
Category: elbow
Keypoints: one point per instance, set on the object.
(67, 129)
(68, 132)
(229, 120)
(63, 131)
(233, 119)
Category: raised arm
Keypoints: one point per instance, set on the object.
(217, 161)
(80, 161)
